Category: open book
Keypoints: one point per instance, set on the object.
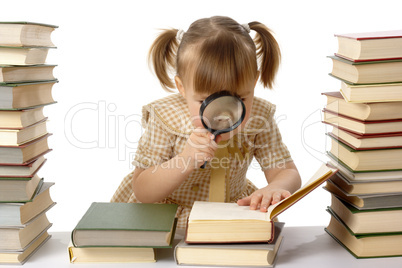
(211, 222)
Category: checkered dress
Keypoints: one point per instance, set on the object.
(167, 126)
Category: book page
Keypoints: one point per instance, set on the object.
(224, 211)
(323, 173)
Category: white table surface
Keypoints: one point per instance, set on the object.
(302, 247)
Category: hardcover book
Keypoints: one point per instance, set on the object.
(368, 72)
(370, 45)
(382, 220)
(365, 246)
(247, 255)
(368, 201)
(211, 222)
(126, 225)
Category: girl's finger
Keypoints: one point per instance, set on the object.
(276, 197)
(266, 200)
(255, 201)
(244, 201)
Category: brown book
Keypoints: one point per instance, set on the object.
(362, 111)
(24, 153)
(27, 170)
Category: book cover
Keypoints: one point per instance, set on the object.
(20, 257)
(257, 254)
(361, 127)
(370, 46)
(110, 220)
(19, 214)
(26, 152)
(351, 62)
(372, 35)
(367, 201)
(354, 148)
(29, 23)
(367, 72)
(364, 222)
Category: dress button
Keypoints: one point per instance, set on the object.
(195, 188)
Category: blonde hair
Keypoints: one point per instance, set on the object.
(217, 53)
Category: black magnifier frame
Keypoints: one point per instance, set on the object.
(214, 97)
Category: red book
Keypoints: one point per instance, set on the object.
(367, 142)
(382, 45)
(17, 155)
(362, 127)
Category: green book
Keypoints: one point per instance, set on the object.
(126, 225)
(365, 246)
(367, 72)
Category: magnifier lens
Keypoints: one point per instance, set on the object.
(222, 112)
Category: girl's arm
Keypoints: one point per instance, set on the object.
(281, 183)
(158, 182)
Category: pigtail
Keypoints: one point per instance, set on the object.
(162, 57)
(268, 53)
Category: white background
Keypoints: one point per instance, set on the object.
(105, 80)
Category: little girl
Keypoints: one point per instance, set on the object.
(214, 54)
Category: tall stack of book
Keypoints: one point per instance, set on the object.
(122, 232)
(366, 144)
(25, 88)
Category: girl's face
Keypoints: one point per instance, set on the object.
(194, 101)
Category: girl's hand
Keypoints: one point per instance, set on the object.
(200, 147)
(263, 198)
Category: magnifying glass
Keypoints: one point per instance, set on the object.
(222, 112)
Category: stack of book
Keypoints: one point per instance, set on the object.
(226, 234)
(366, 144)
(122, 232)
(25, 88)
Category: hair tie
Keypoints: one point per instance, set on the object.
(180, 34)
(246, 27)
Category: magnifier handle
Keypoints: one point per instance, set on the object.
(203, 165)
